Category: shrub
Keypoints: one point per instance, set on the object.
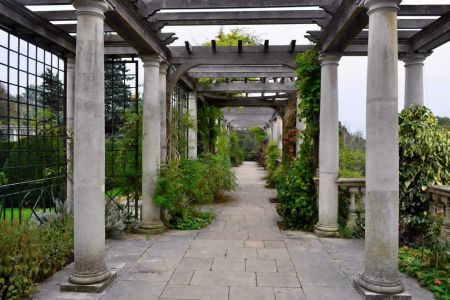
(30, 254)
(272, 155)
(236, 153)
(183, 183)
(296, 191)
(424, 161)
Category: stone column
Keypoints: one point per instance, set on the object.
(70, 94)
(163, 94)
(300, 125)
(328, 147)
(151, 144)
(279, 137)
(89, 145)
(414, 79)
(382, 152)
(193, 131)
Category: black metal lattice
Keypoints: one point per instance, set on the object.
(179, 110)
(122, 126)
(32, 129)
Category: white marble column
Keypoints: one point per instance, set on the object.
(382, 151)
(70, 95)
(193, 131)
(328, 146)
(151, 144)
(414, 78)
(163, 94)
(89, 145)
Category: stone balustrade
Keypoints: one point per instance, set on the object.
(439, 196)
(357, 189)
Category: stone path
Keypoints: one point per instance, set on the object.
(242, 256)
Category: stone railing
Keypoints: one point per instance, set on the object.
(439, 196)
(357, 201)
(357, 190)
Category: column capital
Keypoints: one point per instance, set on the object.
(151, 60)
(91, 7)
(327, 58)
(70, 62)
(163, 68)
(375, 5)
(414, 58)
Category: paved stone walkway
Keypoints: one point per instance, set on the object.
(242, 255)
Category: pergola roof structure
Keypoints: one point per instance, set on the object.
(134, 28)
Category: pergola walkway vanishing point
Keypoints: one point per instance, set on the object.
(124, 28)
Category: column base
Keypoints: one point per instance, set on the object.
(150, 228)
(369, 295)
(326, 230)
(351, 220)
(97, 287)
(382, 288)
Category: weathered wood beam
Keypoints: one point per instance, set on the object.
(239, 17)
(149, 7)
(250, 87)
(346, 24)
(44, 2)
(127, 22)
(72, 28)
(63, 15)
(240, 72)
(432, 36)
(251, 55)
(423, 10)
(246, 103)
(27, 25)
(413, 23)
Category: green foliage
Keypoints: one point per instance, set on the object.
(352, 156)
(444, 122)
(30, 254)
(236, 152)
(230, 38)
(194, 220)
(208, 127)
(418, 263)
(272, 154)
(259, 133)
(424, 161)
(184, 183)
(296, 191)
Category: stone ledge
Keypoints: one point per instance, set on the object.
(368, 295)
(88, 288)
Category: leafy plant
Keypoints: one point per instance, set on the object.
(30, 254)
(296, 191)
(272, 154)
(424, 161)
(417, 263)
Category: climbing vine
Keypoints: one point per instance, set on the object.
(296, 191)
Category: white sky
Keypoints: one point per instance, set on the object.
(352, 70)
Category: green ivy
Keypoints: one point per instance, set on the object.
(424, 161)
(296, 191)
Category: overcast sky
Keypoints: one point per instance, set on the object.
(352, 70)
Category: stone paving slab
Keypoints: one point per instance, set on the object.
(241, 255)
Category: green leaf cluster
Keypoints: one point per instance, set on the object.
(424, 161)
(296, 191)
(30, 254)
(418, 264)
(187, 182)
